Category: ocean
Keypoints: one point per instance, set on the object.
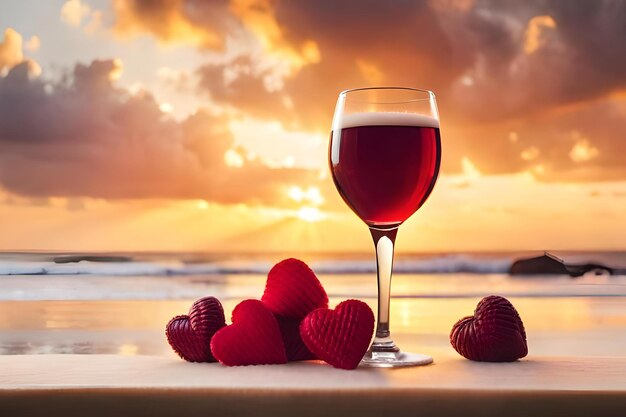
(49, 304)
(170, 276)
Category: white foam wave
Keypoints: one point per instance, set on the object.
(444, 264)
(437, 265)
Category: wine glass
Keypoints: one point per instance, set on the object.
(385, 152)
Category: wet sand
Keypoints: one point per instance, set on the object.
(560, 326)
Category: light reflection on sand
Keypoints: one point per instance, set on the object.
(576, 326)
(128, 349)
(562, 316)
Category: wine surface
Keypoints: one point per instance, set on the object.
(385, 164)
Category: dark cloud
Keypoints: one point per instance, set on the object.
(496, 66)
(401, 40)
(579, 144)
(87, 138)
(580, 59)
(423, 43)
(549, 73)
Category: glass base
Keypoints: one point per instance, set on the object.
(394, 359)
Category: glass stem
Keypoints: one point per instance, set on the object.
(384, 240)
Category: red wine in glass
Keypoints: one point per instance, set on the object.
(386, 164)
(384, 156)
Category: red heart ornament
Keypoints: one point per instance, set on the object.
(341, 336)
(294, 346)
(253, 339)
(190, 335)
(292, 290)
(495, 333)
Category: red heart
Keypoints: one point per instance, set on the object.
(495, 333)
(253, 339)
(294, 346)
(292, 290)
(341, 336)
(190, 335)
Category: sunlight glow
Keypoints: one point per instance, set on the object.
(310, 214)
(469, 169)
(535, 36)
(128, 349)
(202, 204)
(233, 159)
(530, 153)
(311, 195)
(118, 69)
(277, 145)
(179, 28)
(166, 108)
(583, 150)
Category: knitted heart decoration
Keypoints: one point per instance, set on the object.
(294, 346)
(292, 290)
(341, 336)
(495, 333)
(254, 338)
(190, 335)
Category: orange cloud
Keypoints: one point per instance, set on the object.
(73, 12)
(500, 71)
(77, 13)
(33, 44)
(534, 37)
(468, 52)
(203, 24)
(258, 17)
(10, 49)
(11, 53)
(89, 138)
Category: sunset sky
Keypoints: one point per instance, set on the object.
(203, 125)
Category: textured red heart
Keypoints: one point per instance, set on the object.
(341, 336)
(495, 333)
(294, 346)
(190, 335)
(292, 290)
(253, 339)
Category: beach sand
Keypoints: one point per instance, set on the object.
(104, 352)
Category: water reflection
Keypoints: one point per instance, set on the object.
(554, 325)
(128, 349)
(42, 348)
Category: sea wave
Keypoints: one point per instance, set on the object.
(435, 265)
(452, 264)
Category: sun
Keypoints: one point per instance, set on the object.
(202, 204)
(310, 214)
